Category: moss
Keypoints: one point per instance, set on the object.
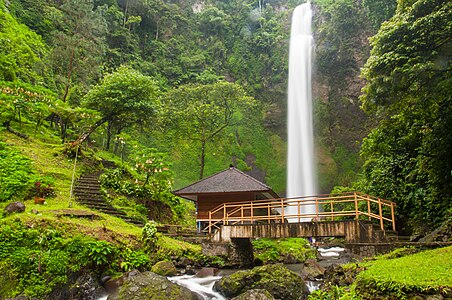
(276, 250)
(164, 268)
(276, 279)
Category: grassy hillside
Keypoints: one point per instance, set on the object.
(44, 246)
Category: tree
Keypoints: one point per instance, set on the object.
(21, 49)
(78, 45)
(202, 112)
(409, 82)
(123, 97)
(20, 100)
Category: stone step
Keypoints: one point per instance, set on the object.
(94, 177)
(88, 183)
(89, 198)
(88, 192)
(95, 203)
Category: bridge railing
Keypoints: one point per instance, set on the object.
(310, 208)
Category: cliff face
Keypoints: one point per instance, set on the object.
(341, 31)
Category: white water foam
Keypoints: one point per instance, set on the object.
(330, 252)
(201, 286)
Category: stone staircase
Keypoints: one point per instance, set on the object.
(87, 192)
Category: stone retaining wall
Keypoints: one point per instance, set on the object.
(372, 249)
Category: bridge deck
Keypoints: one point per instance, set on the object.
(348, 206)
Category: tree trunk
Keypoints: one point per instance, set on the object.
(87, 133)
(7, 125)
(69, 75)
(107, 146)
(203, 159)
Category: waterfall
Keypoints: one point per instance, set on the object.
(300, 160)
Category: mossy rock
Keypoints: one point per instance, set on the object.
(255, 295)
(164, 268)
(278, 280)
(150, 286)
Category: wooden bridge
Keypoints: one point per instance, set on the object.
(352, 215)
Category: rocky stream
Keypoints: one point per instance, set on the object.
(277, 281)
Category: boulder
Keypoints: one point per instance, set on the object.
(277, 279)
(312, 270)
(441, 234)
(148, 285)
(15, 207)
(80, 286)
(164, 268)
(205, 272)
(256, 294)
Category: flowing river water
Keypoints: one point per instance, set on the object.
(204, 286)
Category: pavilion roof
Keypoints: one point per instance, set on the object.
(231, 180)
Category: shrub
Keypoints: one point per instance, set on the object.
(16, 174)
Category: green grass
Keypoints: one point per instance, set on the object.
(426, 272)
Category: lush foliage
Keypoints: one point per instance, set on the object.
(16, 174)
(20, 49)
(409, 80)
(273, 251)
(39, 259)
(202, 112)
(136, 199)
(342, 28)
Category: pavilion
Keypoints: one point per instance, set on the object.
(230, 185)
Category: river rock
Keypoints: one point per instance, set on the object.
(312, 270)
(256, 294)
(148, 285)
(80, 286)
(164, 268)
(205, 272)
(15, 207)
(277, 279)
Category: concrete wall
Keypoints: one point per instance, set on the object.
(236, 253)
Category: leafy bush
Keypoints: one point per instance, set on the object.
(36, 260)
(158, 189)
(16, 174)
(149, 232)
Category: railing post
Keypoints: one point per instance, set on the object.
(210, 222)
(332, 209)
(225, 215)
(368, 208)
(252, 213)
(299, 210)
(317, 208)
(268, 212)
(380, 213)
(392, 216)
(241, 214)
(356, 207)
(282, 210)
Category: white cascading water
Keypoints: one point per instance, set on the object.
(301, 179)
